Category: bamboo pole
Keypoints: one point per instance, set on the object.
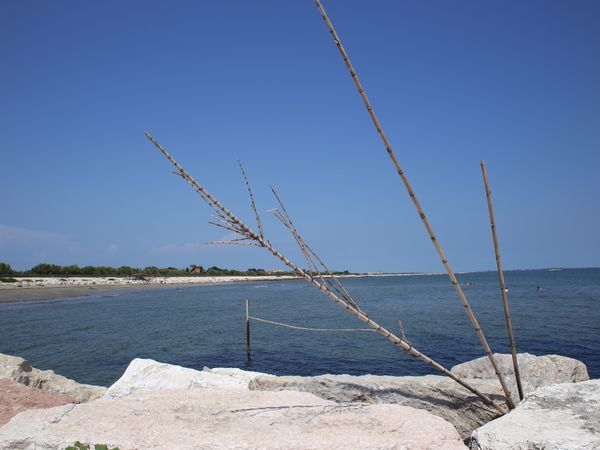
(248, 330)
(247, 231)
(503, 290)
(415, 201)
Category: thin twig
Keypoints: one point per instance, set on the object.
(261, 232)
(309, 254)
(248, 244)
(312, 266)
(215, 224)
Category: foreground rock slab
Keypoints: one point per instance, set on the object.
(19, 370)
(561, 416)
(228, 418)
(437, 394)
(16, 397)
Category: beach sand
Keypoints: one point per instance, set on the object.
(40, 288)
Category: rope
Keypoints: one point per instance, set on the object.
(309, 329)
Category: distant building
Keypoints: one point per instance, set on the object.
(196, 269)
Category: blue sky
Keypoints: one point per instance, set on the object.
(513, 83)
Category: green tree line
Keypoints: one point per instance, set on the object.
(55, 270)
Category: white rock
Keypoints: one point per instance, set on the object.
(150, 374)
(536, 371)
(434, 393)
(560, 416)
(19, 370)
(437, 394)
(228, 418)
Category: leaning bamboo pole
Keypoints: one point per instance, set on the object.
(511, 338)
(415, 201)
(247, 231)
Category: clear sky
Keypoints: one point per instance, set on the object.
(513, 83)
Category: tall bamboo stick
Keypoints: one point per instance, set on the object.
(511, 338)
(247, 231)
(412, 195)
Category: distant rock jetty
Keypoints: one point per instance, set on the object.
(162, 406)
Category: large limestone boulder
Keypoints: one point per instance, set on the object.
(536, 371)
(437, 394)
(19, 370)
(150, 374)
(228, 418)
(560, 416)
(16, 397)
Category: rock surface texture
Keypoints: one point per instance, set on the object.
(161, 406)
(561, 416)
(16, 397)
(536, 371)
(19, 370)
(212, 418)
(437, 394)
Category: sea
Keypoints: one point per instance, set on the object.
(92, 339)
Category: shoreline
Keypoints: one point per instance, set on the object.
(46, 288)
(55, 288)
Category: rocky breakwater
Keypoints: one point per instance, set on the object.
(437, 394)
(160, 406)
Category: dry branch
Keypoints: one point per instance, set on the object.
(243, 230)
(309, 255)
(252, 204)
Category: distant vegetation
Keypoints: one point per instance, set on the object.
(8, 280)
(54, 270)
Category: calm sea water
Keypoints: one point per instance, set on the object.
(93, 339)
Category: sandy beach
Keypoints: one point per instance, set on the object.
(51, 288)
(47, 288)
